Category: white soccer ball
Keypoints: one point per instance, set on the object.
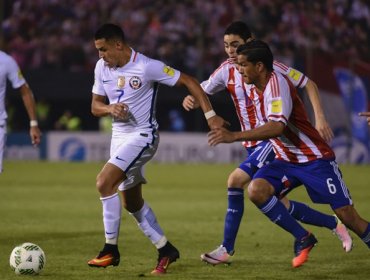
(27, 259)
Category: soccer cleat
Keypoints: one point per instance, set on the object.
(218, 256)
(108, 256)
(302, 248)
(342, 233)
(167, 255)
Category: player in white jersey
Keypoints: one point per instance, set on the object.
(302, 156)
(130, 80)
(259, 152)
(9, 70)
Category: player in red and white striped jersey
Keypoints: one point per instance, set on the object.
(301, 141)
(303, 157)
(226, 76)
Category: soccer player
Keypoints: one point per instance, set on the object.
(259, 152)
(9, 70)
(302, 156)
(130, 81)
(367, 115)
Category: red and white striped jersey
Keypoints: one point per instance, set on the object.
(226, 76)
(280, 102)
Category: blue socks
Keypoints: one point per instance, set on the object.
(307, 215)
(366, 236)
(233, 217)
(278, 214)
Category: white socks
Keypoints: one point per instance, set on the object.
(112, 210)
(148, 224)
(145, 219)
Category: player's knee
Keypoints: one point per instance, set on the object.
(101, 184)
(238, 180)
(258, 191)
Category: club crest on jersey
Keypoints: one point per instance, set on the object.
(169, 71)
(135, 82)
(121, 82)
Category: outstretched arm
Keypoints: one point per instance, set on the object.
(321, 124)
(30, 105)
(269, 130)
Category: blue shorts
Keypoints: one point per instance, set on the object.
(258, 156)
(322, 179)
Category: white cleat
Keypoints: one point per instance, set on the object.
(342, 233)
(217, 256)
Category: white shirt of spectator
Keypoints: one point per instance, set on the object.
(227, 76)
(9, 70)
(136, 85)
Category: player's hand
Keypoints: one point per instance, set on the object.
(35, 135)
(324, 129)
(220, 135)
(367, 115)
(217, 122)
(119, 111)
(190, 103)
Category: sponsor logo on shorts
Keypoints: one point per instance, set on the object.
(121, 159)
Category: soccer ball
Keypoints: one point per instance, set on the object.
(27, 259)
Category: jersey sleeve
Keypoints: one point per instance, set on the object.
(279, 102)
(215, 82)
(159, 72)
(14, 74)
(98, 81)
(297, 78)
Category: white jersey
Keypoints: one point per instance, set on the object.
(279, 102)
(226, 76)
(136, 85)
(9, 70)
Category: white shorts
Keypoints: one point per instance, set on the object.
(130, 152)
(2, 144)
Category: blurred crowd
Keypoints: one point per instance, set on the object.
(187, 34)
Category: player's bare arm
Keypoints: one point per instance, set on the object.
(269, 130)
(321, 123)
(195, 89)
(99, 108)
(30, 105)
(190, 103)
(367, 115)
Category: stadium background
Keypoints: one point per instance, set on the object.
(53, 43)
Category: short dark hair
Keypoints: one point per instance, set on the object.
(239, 28)
(110, 31)
(257, 51)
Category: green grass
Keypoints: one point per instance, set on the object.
(56, 206)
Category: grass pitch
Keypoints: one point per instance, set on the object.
(56, 206)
